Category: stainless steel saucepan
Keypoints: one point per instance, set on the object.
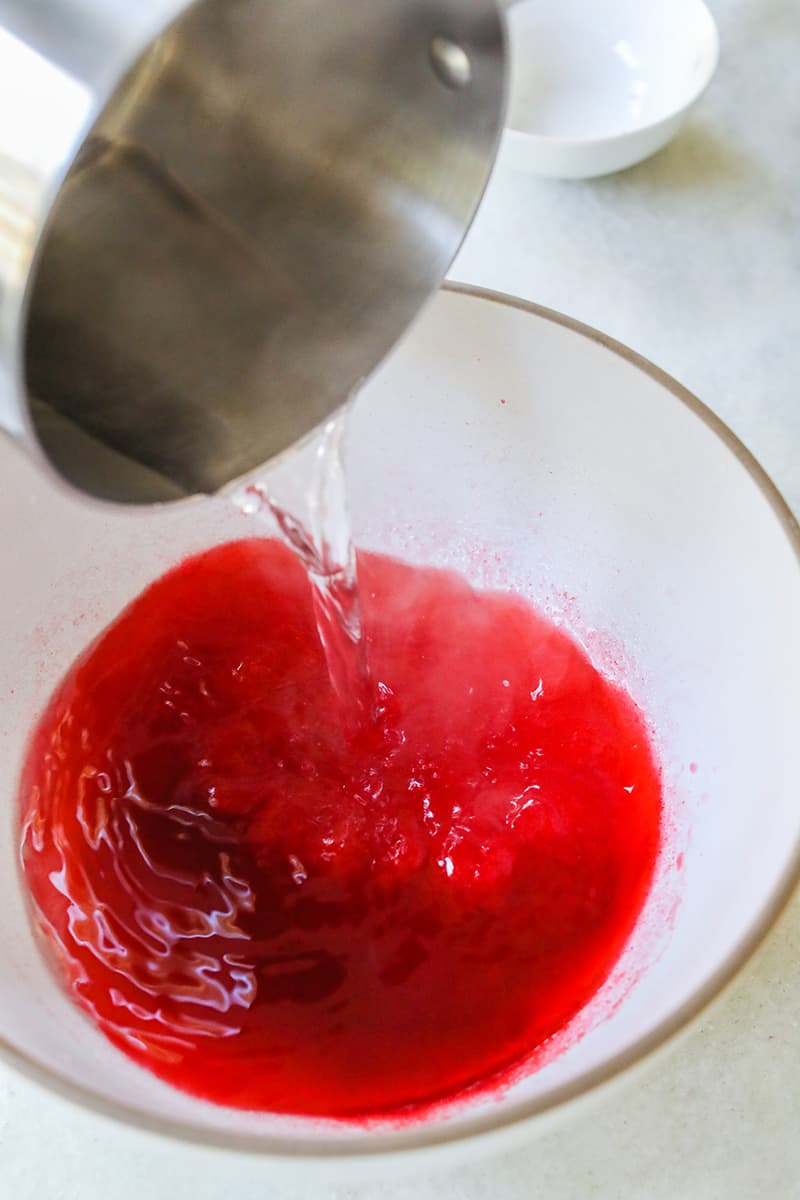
(216, 217)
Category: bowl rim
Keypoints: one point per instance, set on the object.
(384, 1145)
(620, 135)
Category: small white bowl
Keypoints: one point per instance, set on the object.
(597, 87)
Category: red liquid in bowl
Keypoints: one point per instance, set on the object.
(272, 915)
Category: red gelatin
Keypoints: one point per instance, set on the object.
(273, 915)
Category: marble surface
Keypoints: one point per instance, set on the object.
(693, 259)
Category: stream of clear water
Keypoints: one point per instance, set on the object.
(313, 520)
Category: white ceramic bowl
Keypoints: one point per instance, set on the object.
(531, 453)
(598, 86)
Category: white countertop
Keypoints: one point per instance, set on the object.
(693, 259)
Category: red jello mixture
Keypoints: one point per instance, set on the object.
(275, 915)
